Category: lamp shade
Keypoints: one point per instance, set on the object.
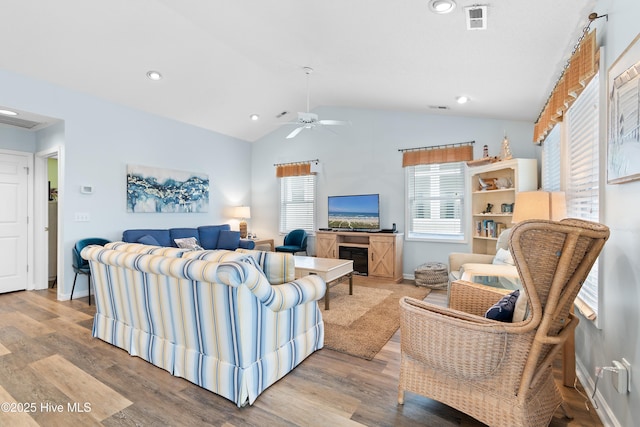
(539, 205)
(243, 212)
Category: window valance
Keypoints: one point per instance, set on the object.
(437, 154)
(295, 168)
(580, 69)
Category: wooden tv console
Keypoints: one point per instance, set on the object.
(384, 250)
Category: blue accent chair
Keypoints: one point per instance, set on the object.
(81, 265)
(295, 241)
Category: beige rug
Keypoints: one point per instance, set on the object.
(362, 323)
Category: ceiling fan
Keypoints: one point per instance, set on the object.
(310, 120)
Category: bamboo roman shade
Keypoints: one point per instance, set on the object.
(437, 154)
(294, 169)
(581, 68)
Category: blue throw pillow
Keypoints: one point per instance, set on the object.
(503, 309)
(228, 240)
(148, 240)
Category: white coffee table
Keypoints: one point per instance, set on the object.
(330, 269)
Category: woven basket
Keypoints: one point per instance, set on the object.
(432, 275)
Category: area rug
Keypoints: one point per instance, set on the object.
(362, 323)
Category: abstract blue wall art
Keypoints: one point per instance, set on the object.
(165, 190)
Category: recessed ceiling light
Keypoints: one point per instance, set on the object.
(154, 75)
(462, 99)
(442, 6)
(8, 113)
(254, 117)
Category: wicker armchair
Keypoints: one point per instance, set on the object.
(500, 373)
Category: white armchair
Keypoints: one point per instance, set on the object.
(466, 265)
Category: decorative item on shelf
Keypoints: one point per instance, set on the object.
(482, 162)
(507, 207)
(243, 212)
(487, 184)
(539, 205)
(485, 151)
(504, 183)
(488, 209)
(505, 154)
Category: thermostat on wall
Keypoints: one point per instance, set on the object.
(86, 189)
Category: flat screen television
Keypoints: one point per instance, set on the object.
(359, 212)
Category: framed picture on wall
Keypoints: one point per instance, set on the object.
(166, 190)
(623, 123)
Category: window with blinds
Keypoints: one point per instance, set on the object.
(551, 160)
(435, 200)
(298, 203)
(583, 172)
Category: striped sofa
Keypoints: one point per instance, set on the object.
(211, 317)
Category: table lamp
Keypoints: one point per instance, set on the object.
(243, 212)
(539, 205)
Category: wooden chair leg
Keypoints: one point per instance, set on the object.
(89, 286)
(400, 397)
(568, 413)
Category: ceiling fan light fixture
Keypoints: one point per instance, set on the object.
(462, 99)
(154, 75)
(442, 6)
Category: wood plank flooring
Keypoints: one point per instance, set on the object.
(53, 373)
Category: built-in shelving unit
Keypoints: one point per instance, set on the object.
(492, 205)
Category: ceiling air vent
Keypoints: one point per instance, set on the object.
(21, 123)
(476, 17)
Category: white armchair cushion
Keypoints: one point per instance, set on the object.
(469, 270)
(503, 257)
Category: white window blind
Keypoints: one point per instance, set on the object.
(435, 199)
(297, 203)
(551, 160)
(583, 174)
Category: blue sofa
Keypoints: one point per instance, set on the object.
(208, 236)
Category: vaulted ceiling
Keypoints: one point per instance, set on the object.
(222, 61)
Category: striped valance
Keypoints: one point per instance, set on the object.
(581, 68)
(437, 154)
(295, 168)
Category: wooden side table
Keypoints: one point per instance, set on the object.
(269, 242)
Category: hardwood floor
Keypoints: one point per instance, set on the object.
(53, 373)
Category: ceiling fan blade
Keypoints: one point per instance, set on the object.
(329, 130)
(295, 132)
(333, 122)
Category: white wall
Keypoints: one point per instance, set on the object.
(619, 317)
(364, 158)
(13, 138)
(101, 138)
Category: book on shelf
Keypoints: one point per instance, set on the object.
(489, 228)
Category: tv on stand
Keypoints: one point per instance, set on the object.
(359, 212)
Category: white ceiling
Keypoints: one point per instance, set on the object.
(224, 60)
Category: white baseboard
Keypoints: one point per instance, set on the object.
(600, 405)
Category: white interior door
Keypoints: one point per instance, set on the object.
(13, 222)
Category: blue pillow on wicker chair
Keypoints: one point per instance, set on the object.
(503, 309)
